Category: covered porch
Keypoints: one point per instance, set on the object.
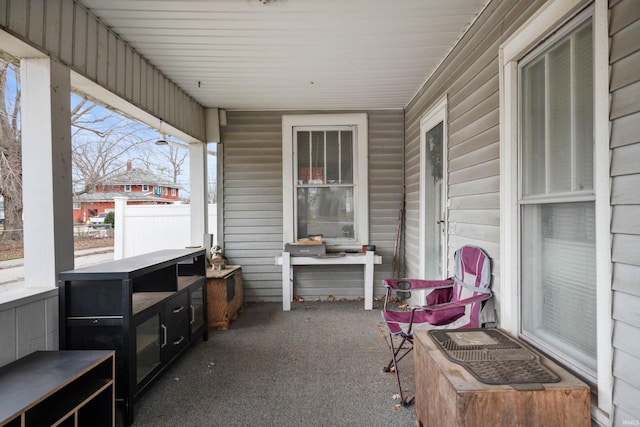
(258, 77)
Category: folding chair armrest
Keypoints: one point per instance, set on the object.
(448, 305)
(417, 284)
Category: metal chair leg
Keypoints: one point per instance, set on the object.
(394, 362)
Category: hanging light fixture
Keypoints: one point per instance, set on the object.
(163, 138)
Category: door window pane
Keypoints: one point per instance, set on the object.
(433, 206)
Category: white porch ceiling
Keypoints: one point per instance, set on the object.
(292, 54)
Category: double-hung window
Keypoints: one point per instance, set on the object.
(555, 185)
(557, 198)
(325, 184)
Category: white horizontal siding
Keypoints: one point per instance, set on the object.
(625, 199)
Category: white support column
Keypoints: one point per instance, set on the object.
(119, 227)
(368, 280)
(287, 281)
(215, 119)
(198, 195)
(46, 171)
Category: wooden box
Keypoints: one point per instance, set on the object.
(224, 296)
(448, 395)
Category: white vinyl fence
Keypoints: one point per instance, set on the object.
(148, 228)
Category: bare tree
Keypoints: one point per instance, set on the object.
(166, 160)
(176, 157)
(10, 150)
(103, 143)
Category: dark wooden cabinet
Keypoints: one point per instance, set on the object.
(63, 388)
(148, 308)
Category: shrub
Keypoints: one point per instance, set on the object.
(110, 218)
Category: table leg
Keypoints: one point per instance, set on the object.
(368, 281)
(287, 285)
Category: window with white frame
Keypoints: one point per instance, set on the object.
(555, 212)
(145, 187)
(557, 198)
(127, 188)
(325, 189)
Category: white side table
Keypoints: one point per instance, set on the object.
(287, 261)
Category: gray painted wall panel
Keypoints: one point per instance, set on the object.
(626, 308)
(625, 101)
(475, 216)
(624, 190)
(31, 330)
(626, 219)
(625, 130)
(626, 249)
(479, 156)
(477, 186)
(621, 339)
(8, 336)
(477, 113)
(625, 279)
(624, 367)
(626, 160)
(625, 42)
(623, 13)
(484, 170)
(625, 71)
(625, 198)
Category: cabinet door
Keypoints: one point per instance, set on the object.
(176, 322)
(196, 302)
(148, 346)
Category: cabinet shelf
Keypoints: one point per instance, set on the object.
(61, 406)
(53, 387)
(141, 301)
(142, 307)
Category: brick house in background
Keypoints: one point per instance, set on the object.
(139, 186)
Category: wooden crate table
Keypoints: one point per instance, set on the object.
(224, 296)
(447, 394)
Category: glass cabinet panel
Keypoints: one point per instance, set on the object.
(147, 346)
(197, 308)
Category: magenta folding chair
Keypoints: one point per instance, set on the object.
(453, 303)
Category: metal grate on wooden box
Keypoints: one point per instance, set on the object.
(492, 356)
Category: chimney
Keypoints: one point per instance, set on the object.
(129, 165)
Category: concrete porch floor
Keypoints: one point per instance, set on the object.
(319, 364)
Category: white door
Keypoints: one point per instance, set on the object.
(433, 193)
